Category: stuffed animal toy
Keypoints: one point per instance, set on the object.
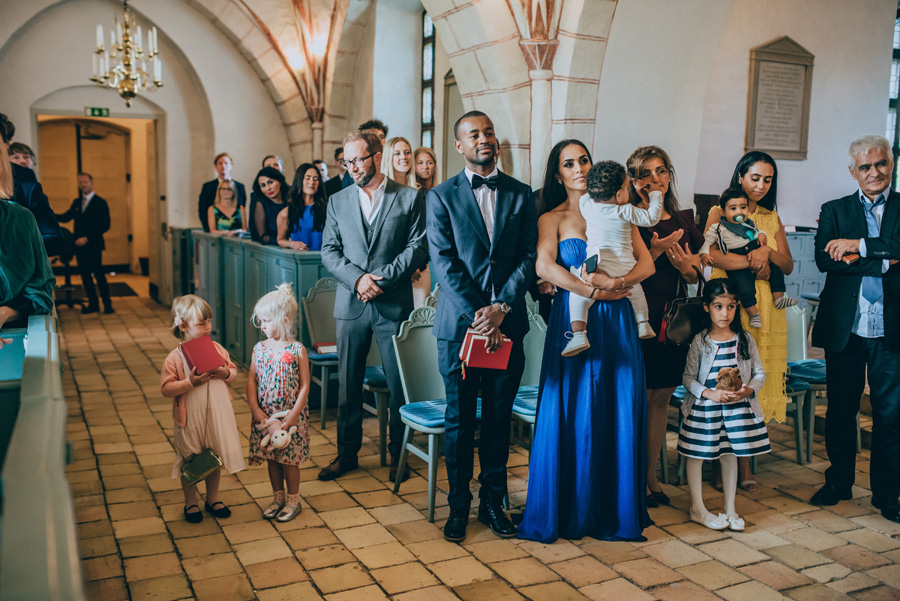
(729, 379)
(276, 436)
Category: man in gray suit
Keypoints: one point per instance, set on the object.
(374, 240)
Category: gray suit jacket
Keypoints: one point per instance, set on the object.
(397, 249)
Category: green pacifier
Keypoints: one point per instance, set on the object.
(739, 219)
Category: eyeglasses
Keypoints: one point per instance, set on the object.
(358, 162)
(660, 172)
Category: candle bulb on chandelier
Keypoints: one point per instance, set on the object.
(140, 38)
(158, 70)
(118, 31)
(99, 35)
(155, 47)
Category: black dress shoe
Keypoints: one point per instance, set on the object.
(193, 517)
(455, 528)
(108, 309)
(218, 509)
(491, 513)
(650, 501)
(90, 309)
(830, 495)
(338, 467)
(660, 497)
(890, 509)
(393, 473)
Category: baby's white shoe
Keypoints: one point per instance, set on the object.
(645, 331)
(577, 342)
(735, 522)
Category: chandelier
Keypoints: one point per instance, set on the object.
(128, 71)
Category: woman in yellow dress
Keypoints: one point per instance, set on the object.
(757, 174)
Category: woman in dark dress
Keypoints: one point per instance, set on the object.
(272, 195)
(673, 243)
(587, 462)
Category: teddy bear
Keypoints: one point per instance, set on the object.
(729, 379)
(276, 437)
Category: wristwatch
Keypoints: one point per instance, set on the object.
(505, 308)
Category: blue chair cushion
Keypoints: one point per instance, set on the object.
(430, 414)
(810, 370)
(321, 357)
(375, 377)
(796, 385)
(679, 393)
(526, 401)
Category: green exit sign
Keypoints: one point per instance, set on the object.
(96, 111)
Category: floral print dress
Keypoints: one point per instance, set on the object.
(278, 383)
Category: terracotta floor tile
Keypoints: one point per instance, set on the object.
(313, 537)
(775, 575)
(378, 498)
(396, 514)
(97, 547)
(248, 531)
(364, 536)
(111, 589)
(458, 572)
(403, 578)
(366, 593)
(341, 578)
(827, 572)
(675, 553)
(881, 593)
(235, 587)
(386, 554)
(683, 591)
(852, 583)
(749, 591)
(617, 589)
(712, 575)
(856, 557)
(330, 502)
(583, 571)
(797, 557)
(732, 552)
(138, 527)
(647, 572)
(152, 566)
(413, 532)
(324, 557)
(524, 572)
(890, 575)
(495, 590)
(181, 529)
(695, 534)
(813, 538)
(300, 591)
(346, 518)
(432, 593)
(816, 592)
(262, 550)
(612, 552)
(201, 545)
(101, 568)
(167, 588)
(494, 550)
(871, 540)
(211, 566)
(276, 573)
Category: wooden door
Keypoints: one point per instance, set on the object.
(58, 162)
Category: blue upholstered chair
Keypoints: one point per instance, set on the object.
(318, 311)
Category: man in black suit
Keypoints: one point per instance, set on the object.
(482, 235)
(858, 325)
(27, 192)
(91, 215)
(224, 165)
(338, 183)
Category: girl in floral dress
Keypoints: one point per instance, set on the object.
(279, 381)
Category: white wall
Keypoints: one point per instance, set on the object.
(653, 84)
(852, 46)
(397, 76)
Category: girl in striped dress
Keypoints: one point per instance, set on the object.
(721, 424)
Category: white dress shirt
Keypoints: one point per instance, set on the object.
(487, 201)
(371, 206)
(869, 319)
(85, 200)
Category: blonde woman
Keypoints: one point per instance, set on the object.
(425, 162)
(396, 162)
(226, 216)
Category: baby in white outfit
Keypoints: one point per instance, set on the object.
(609, 216)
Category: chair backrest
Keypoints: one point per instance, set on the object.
(417, 357)
(318, 311)
(432, 299)
(531, 303)
(534, 349)
(797, 332)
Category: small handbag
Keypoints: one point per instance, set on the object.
(684, 316)
(204, 463)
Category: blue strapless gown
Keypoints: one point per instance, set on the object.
(588, 461)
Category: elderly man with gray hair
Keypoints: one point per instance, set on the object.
(858, 325)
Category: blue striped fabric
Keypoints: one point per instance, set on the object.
(714, 429)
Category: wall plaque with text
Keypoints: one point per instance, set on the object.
(779, 99)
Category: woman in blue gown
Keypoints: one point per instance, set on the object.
(587, 472)
(300, 225)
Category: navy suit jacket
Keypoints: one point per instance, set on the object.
(846, 218)
(90, 224)
(471, 269)
(28, 193)
(208, 199)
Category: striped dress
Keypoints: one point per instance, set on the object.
(715, 429)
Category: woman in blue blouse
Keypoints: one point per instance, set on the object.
(300, 225)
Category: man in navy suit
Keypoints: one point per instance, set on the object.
(482, 235)
(858, 325)
(91, 215)
(223, 165)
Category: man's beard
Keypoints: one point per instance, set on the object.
(482, 161)
(365, 178)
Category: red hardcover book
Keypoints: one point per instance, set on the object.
(202, 354)
(473, 354)
(325, 347)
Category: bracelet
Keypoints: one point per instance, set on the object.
(623, 283)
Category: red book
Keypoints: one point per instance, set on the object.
(202, 354)
(325, 348)
(473, 354)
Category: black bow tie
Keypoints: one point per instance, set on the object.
(490, 182)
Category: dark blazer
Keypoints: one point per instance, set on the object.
(333, 186)
(846, 218)
(208, 199)
(91, 224)
(27, 192)
(398, 247)
(468, 266)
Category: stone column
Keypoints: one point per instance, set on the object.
(541, 128)
(318, 134)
